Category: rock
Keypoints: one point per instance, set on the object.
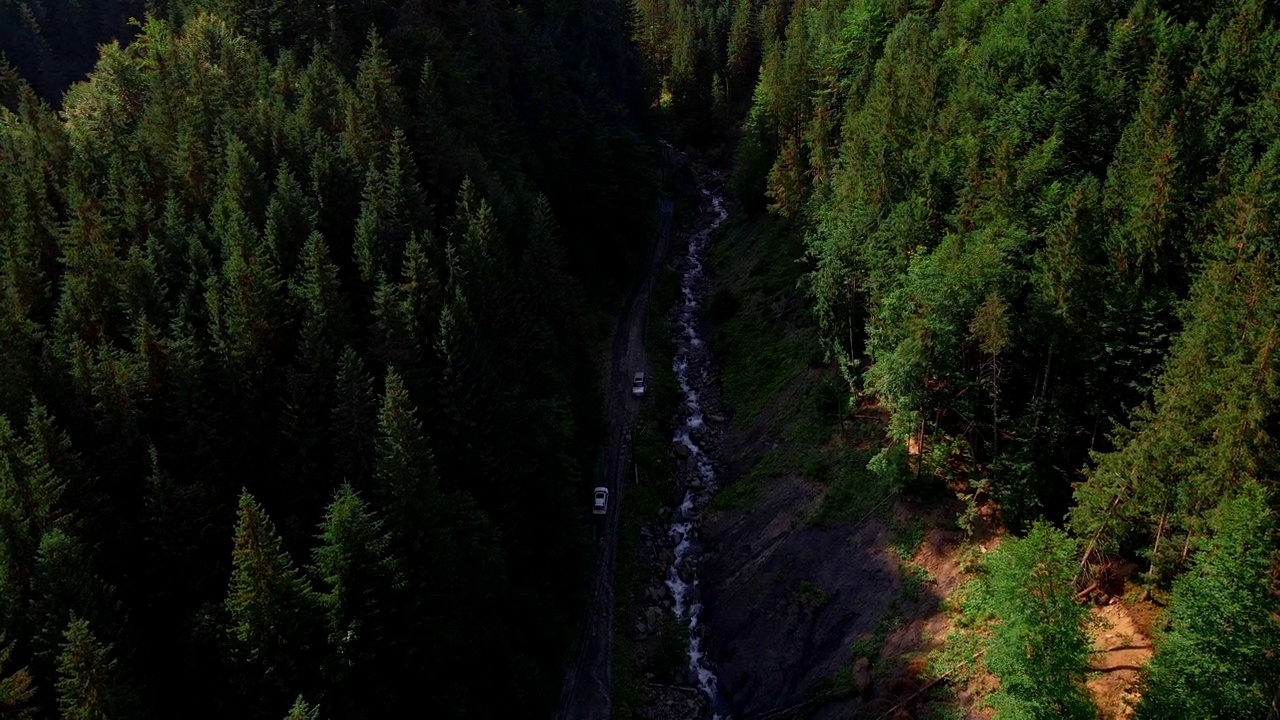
(862, 676)
(716, 418)
(652, 615)
(660, 591)
(640, 629)
(681, 450)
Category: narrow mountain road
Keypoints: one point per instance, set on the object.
(585, 695)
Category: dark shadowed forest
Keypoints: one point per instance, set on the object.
(296, 356)
(303, 303)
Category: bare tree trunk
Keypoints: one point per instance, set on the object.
(920, 450)
(1043, 389)
(1164, 513)
(1186, 546)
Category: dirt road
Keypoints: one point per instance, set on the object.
(585, 695)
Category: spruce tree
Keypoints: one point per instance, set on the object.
(85, 675)
(1218, 658)
(274, 612)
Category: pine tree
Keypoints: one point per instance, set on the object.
(325, 322)
(405, 483)
(242, 302)
(273, 610)
(1218, 658)
(373, 107)
(391, 210)
(290, 221)
(17, 688)
(302, 710)
(354, 564)
(64, 584)
(30, 506)
(354, 421)
(394, 336)
(85, 676)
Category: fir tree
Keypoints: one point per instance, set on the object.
(85, 675)
(1218, 658)
(273, 610)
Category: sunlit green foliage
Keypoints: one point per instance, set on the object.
(1042, 234)
(1038, 647)
(1218, 658)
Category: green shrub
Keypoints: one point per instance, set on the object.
(890, 466)
(810, 596)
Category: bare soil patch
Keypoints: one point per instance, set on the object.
(1120, 649)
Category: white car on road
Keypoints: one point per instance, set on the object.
(600, 502)
(637, 385)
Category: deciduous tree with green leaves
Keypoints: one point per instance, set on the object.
(1038, 646)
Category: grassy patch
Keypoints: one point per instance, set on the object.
(772, 370)
(809, 596)
(907, 538)
(738, 495)
(869, 646)
(641, 503)
(671, 652)
(914, 579)
(959, 656)
(853, 490)
(761, 343)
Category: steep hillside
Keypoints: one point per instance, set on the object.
(1039, 236)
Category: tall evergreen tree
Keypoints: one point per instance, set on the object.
(274, 614)
(1218, 658)
(85, 676)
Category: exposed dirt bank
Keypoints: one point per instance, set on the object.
(822, 590)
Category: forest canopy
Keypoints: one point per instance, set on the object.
(297, 406)
(300, 303)
(1043, 235)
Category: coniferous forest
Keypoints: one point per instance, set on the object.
(1045, 235)
(299, 394)
(296, 351)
